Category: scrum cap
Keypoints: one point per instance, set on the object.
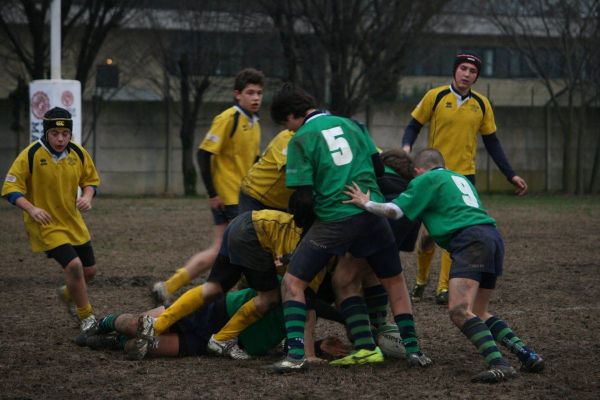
(467, 57)
(57, 118)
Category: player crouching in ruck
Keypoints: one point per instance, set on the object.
(43, 181)
(452, 213)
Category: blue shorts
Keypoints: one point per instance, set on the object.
(195, 330)
(221, 217)
(364, 236)
(249, 203)
(478, 254)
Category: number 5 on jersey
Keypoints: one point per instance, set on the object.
(338, 146)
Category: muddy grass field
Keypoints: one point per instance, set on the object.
(550, 295)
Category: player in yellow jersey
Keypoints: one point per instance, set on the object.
(455, 114)
(227, 152)
(43, 181)
(264, 185)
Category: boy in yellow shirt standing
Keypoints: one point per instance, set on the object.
(43, 181)
(227, 152)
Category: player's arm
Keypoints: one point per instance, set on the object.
(410, 134)
(204, 164)
(84, 203)
(362, 200)
(301, 205)
(495, 150)
(378, 165)
(39, 215)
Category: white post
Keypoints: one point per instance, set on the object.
(55, 40)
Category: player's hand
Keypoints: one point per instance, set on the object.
(84, 203)
(520, 185)
(40, 215)
(315, 360)
(334, 347)
(406, 148)
(357, 197)
(216, 203)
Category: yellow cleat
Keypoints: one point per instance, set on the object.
(362, 356)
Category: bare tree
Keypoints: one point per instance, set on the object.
(559, 40)
(24, 38)
(191, 56)
(363, 43)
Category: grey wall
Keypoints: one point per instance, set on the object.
(132, 140)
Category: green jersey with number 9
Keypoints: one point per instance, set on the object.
(445, 201)
(328, 153)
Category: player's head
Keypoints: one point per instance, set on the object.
(248, 89)
(290, 105)
(467, 59)
(304, 215)
(57, 118)
(428, 159)
(399, 161)
(58, 127)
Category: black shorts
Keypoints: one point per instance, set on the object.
(364, 236)
(227, 275)
(224, 216)
(243, 246)
(478, 254)
(66, 253)
(195, 330)
(249, 203)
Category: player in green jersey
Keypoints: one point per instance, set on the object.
(452, 212)
(327, 153)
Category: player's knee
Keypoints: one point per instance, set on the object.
(212, 291)
(75, 269)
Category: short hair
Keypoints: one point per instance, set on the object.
(291, 99)
(429, 159)
(399, 161)
(248, 76)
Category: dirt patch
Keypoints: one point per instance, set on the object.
(550, 295)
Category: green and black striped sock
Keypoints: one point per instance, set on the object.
(294, 313)
(503, 334)
(107, 323)
(356, 316)
(408, 333)
(479, 334)
(377, 303)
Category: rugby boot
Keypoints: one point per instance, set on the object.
(362, 356)
(137, 348)
(442, 298)
(99, 342)
(228, 348)
(416, 295)
(288, 364)
(418, 359)
(495, 374)
(535, 363)
(159, 294)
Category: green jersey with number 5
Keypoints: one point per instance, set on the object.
(328, 153)
(445, 201)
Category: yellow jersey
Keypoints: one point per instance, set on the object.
(265, 181)
(278, 234)
(234, 141)
(453, 125)
(51, 183)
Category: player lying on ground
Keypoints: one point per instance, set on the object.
(451, 210)
(190, 335)
(252, 243)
